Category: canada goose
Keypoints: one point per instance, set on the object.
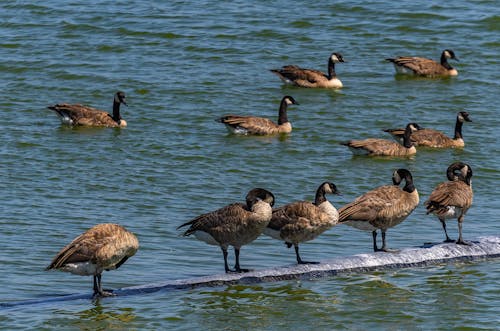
(452, 199)
(382, 208)
(302, 221)
(425, 67)
(297, 76)
(236, 224)
(258, 125)
(434, 138)
(384, 147)
(102, 247)
(76, 114)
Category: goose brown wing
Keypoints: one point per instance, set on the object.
(293, 212)
(420, 65)
(445, 194)
(295, 73)
(81, 249)
(251, 123)
(218, 221)
(374, 145)
(82, 115)
(429, 137)
(370, 205)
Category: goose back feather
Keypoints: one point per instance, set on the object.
(425, 67)
(80, 115)
(103, 247)
(384, 147)
(236, 224)
(383, 207)
(452, 199)
(301, 221)
(251, 125)
(292, 74)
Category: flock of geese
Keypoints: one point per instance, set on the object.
(108, 246)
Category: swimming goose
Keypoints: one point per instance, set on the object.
(236, 224)
(103, 247)
(434, 138)
(297, 76)
(251, 125)
(302, 221)
(382, 208)
(76, 114)
(452, 199)
(384, 147)
(425, 67)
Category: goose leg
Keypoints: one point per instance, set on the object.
(98, 291)
(237, 265)
(374, 236)
(226, 265)
(299, 260)
(461, 240)
(448, 239)
(384, 246)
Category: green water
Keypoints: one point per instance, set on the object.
(182, 64)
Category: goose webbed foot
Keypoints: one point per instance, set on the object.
(104, 293)
(462, 242)
(449, 240)
(237, 270)
(308, 262)
(387, 250)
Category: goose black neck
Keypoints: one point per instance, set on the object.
(406, 138)
(282, 115)
(409, 187)
(331, 69)
(444, 62)
(320, 196)
(116, 111)
(458, 129)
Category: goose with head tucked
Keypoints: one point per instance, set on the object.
(434, 138)
(102, 247)
(236, 224)
(252, 125)
(421, 66)
(292, 74)
(384, 147)
(80, 115)
(382, 208)
(301, 221)
(452, 199)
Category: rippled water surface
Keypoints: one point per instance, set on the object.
(182, 64)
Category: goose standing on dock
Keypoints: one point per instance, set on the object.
(103, 247)
(292, 74)
(452, 199)
(382, 208)
(384, 147)
(234, 225)
(77, 114)
(434, 138)
(302, 221)
(421, 66)
(251, 125)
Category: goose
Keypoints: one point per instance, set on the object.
(434, 138)
(302, 221)
(236, 224)
(291, 74)
(384, 147)
(103, 247)
(76, 114)
(251, 125)
(452, 199)
(421, 66)
(382, 208)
